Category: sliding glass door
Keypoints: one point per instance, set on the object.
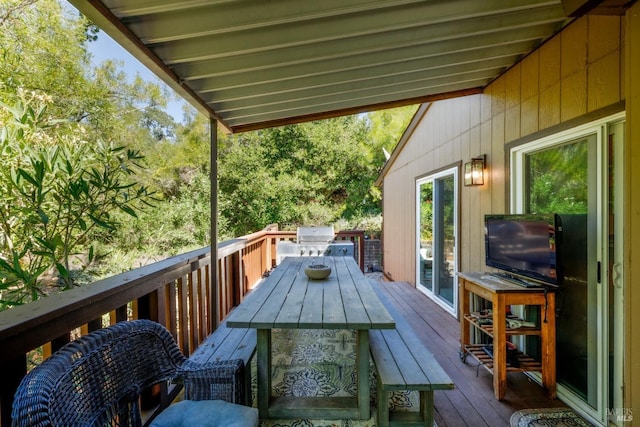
(576, 176)
(436, 237)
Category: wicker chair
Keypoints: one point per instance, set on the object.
(96, 380)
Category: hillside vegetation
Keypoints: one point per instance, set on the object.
(97, 178)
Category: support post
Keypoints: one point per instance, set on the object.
(213, 270)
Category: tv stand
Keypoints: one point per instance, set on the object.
(515, 280)
(501, 293)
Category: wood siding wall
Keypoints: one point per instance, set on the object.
(576, 74)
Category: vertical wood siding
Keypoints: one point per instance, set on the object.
(577, 72)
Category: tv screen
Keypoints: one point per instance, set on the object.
(524, 245)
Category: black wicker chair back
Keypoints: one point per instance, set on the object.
(96, 380)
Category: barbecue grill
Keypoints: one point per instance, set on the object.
(313, 241)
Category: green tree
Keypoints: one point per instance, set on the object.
(44, 49)
(309, 173)
(176, 162)
(386, 127)
(73, 173)
(180, 169)
(56, 188)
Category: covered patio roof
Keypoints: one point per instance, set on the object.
(253, 64)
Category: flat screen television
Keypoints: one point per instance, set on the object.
(525, 246)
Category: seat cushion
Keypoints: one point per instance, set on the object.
(206, 413)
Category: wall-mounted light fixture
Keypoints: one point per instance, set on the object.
(474, 171)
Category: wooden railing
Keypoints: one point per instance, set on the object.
(176, 292)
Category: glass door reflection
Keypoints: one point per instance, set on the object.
(436, 237)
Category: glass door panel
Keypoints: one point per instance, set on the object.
(425, 235)
(558, 180)
(444, 239)
(436, 261)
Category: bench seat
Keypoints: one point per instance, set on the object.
(224, 344)
(404, 363)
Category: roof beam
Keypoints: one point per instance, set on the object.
(577, 8)
(248, 15)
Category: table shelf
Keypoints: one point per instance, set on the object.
(488, 329)
(526, 363)
(501, 295)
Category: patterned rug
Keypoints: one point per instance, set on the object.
(321, 363)
(558, 417)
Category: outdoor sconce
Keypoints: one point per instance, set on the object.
(474, 171)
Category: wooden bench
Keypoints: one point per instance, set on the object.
(404, 363)
(229, 344)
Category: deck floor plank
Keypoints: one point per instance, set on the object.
(472, 403)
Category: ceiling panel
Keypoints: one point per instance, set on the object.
(252, 64)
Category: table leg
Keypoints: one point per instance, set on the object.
(426, 407)
(499, 347)
(263, 361)
(465, 307)
(362, 365)
(548, 338)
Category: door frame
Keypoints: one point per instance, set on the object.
(453, 171)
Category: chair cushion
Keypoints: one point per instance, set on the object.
(206, 413)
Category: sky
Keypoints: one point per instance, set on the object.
(105, 48)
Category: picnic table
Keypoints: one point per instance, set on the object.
(288, 299)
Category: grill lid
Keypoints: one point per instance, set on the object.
(319, 234)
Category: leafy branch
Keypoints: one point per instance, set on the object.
(56, 188)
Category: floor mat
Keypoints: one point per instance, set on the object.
(558, 417)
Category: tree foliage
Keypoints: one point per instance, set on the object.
(386, 127)
(74, 136)
(44, 48)
(70, 139)
(311, 173)
(56, 189)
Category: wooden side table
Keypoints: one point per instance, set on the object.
(502, 294)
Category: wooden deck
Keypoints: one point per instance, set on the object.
(472, 403)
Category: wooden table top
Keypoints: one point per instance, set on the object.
(496, 285)
(289, 299)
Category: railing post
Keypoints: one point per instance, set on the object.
(361, 245)
(57, 343)
(122, 313)
(94, 325)
(183, 317)
(148, 309)
(236, 277)
(268, 252)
